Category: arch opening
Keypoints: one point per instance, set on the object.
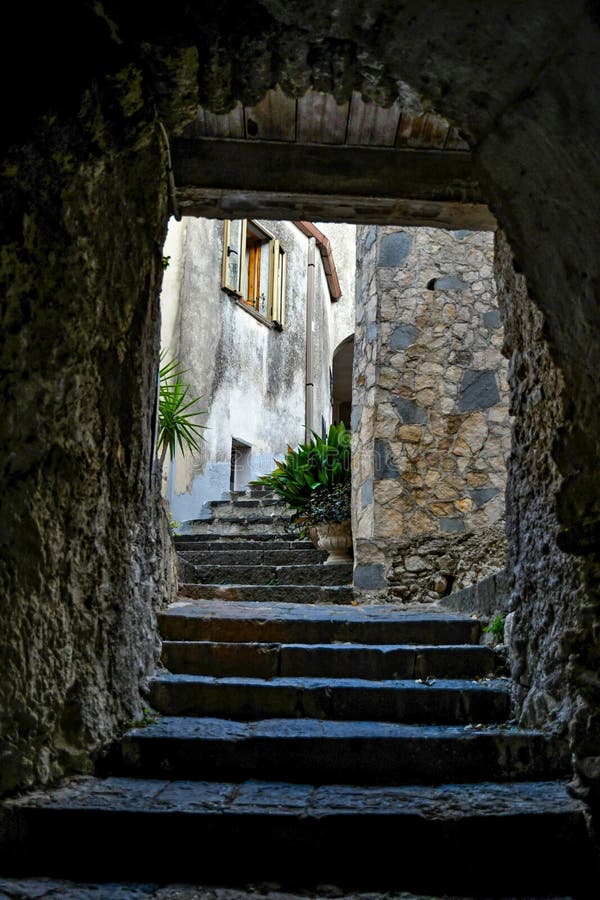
(537, 174)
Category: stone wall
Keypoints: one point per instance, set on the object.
(368, 565)
(85, 550)
(553, 663)
(431, 411)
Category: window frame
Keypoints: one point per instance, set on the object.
(247, 276)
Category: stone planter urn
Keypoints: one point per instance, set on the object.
(311, 531)
(336, 539)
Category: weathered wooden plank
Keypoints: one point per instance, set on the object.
(454, 141)
(424, 131)
(357, 171)
(321, 120)
(372, 125)
(219, 203)
(273, 119)
(227, 125)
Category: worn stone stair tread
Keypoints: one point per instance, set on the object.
(491, 685)
(242, 499)
(215, 543)
(254, 556)
(247, 518)
(435, 802)
(272, 593)
(340, 658)
(234, 539)
(231, 509)
(245, 524)
(444, 701)
(218, 729)
(431, 836)
(201, 619)
(383, 612)
(417, 838)
(263, 574)
(351, 751)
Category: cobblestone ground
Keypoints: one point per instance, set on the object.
(34, 888)
(30, 888)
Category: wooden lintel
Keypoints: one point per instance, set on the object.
(229, 204)
(312, 169)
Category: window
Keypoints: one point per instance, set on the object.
(254, 268)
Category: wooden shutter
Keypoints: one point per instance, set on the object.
(277, 277)
(234, 254)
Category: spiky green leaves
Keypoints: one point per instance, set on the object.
(314, 468)
(176, 425)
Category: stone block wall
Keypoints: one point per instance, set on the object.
(431, 412)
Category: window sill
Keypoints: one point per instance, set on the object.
(270, 323)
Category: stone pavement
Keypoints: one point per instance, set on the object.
(44, 888)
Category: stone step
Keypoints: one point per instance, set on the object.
(443, 702)
(250, 509)
(315, 574)
(213, 620)
(261, 660)
(239, 505)
(233, 539)
(238, 543)
(269, 593)
(255, 556)
(486, 840)
(244, 525)
(316, 751)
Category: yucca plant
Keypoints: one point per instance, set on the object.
(312, 472)
(176, 425)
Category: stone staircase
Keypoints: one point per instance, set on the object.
(249, 550)
(309, 743)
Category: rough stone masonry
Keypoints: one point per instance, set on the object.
(431, 423)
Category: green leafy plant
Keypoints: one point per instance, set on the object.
(327, 505)
(176, 425)
(148, 717)
(496, 629)
(314, 479)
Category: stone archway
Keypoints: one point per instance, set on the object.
(84, 198)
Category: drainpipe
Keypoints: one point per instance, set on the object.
(310, 301)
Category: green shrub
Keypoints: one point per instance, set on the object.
(314, 479)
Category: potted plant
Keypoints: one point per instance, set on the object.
(314, 481)
(328, 512)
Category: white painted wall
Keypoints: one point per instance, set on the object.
(251, 378)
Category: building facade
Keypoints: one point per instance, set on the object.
(254, 312)
(250, 312)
